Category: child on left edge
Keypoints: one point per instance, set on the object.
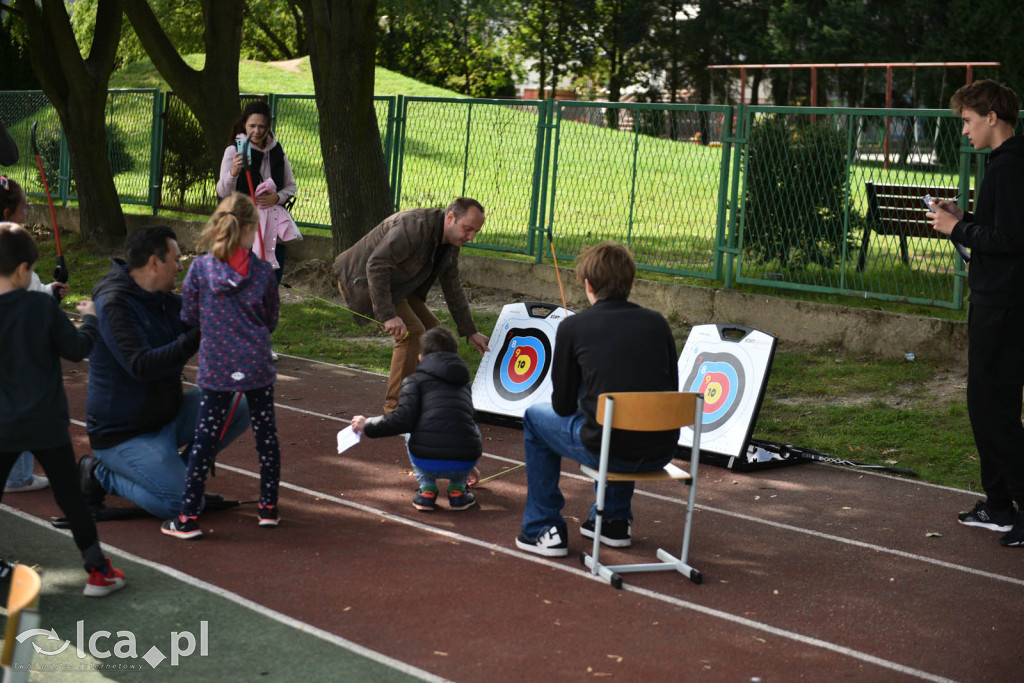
(232, 296)
(14, 208)
(34, 335)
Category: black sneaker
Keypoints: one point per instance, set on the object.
(459, 499)
(551, 543)
(1015, 537)
(616, 533)
(182, 527)
(268, 515)
(91, 489)
(985, 517)
(425, 500)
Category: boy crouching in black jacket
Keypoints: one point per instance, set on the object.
(435, 407)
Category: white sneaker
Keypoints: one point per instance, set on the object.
(273, 356)
(34, 485)
(551, 543)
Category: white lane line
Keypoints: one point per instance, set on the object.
(291, 622)
(676, 602)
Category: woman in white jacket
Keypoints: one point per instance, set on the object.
(273, 183)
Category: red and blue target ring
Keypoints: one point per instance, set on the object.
(522, 364)
(720, 377)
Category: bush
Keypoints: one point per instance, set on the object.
(185, 162)
(795, 192)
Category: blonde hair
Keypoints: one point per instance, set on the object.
(226, 227)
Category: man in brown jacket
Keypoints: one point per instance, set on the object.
(387, 274)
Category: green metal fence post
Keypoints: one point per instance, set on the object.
(851, 151)
(550, 160)
(465, 155)
(632, 180)
(731, 252)
(401, 111)
(156, 148)
(534, 228)
(64, 174)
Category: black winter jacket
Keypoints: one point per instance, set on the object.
(135, 367)
(435, 406)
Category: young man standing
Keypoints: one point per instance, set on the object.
(995, 322)
(612, 346)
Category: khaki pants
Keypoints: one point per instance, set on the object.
(405, 357)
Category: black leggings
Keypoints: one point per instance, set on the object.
(59, 465)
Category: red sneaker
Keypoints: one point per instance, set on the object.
(104, 581)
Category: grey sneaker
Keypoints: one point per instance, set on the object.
(985, 517)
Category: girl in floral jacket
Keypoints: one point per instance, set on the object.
(232, 297)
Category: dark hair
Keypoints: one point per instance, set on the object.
(145, 242)
(461, 205)
(10, 196)
(438, 339)
(984, 96)
(254, 107)
(609, 267)
(224, 231)
(16, 247)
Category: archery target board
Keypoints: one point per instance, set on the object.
(729, 364)
(516, 372)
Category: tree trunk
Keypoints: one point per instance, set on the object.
(342, 41)
(77, 88)
(211, 94)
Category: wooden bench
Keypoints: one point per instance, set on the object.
(899, 210)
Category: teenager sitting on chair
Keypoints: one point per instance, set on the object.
(612, 346)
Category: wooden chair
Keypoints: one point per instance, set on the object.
(22, 615)
(647, 412)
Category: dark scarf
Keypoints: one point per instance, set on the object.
(276, 169)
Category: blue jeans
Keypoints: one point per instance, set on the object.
(21, 472)
(148, 470)
(547, 438)
(427, 478)
(456, 478)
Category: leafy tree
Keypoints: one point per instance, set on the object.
(212, 92)
(273, 30)
(17, 71)
(341, 40)
(547, 32)
(453, 44)
(77, 88)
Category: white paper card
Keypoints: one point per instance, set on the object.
(347, 438)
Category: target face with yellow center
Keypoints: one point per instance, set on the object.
(729, 364)
(515, 373)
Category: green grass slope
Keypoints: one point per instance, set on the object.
(294, 77)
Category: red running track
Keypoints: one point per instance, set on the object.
(812, 571)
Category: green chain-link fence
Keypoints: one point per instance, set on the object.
(651, 176)
(487, 149)
(816, 199)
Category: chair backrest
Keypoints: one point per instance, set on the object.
(24, 594)
(649, 411)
